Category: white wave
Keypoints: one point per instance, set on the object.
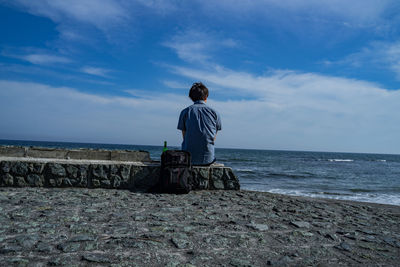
(244, 170)
(391, 199)
(341, 160)
(381, 160)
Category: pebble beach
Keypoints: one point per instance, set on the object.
(100, 227)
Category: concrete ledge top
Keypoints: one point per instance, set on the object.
(91, 161)
(76, 154)
(79, 161)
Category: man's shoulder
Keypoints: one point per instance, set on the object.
(198, 108)
(213, 110)
(185, 109)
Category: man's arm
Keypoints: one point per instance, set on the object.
(218, 125)
(181, 123)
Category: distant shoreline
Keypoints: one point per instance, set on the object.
(8, 141)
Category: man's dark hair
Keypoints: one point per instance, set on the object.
(198, 92)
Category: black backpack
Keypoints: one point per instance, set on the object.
(176, 172)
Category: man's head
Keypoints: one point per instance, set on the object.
(198, 92)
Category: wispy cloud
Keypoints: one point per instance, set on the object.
(198, 46)
(114, 17)
(357, 13)
(176, 85)
(285, 88)
(7, 70)
(111, 11)
(383, 55)
(36, 56)
(74, 18)
(96, 71)
(84, 21)
(45, 59)
(391, 53)
(101, 15)
(161, 6)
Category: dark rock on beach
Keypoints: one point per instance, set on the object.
(103, 227)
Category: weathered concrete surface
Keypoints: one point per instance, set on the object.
(83, 153)
(97, 227)
(135, 176)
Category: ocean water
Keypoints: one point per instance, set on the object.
(348, 176)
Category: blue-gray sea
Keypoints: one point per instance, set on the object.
(348, 176)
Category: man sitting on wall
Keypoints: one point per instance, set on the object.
(199, 124)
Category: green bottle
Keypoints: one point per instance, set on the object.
(165, 146)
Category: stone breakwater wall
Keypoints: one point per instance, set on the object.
(135, 176)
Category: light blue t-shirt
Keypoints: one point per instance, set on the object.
(200, 123)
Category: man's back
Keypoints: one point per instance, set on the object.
(200, 124)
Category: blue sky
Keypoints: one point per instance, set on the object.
(297, 75)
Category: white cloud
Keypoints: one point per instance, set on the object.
(304, 111)
(281, 109)
(114, 18)
(96, 71)
(177, 85)
(119, 20)
(356, 12)
(85, 21)
(392, 57)
(111, 11)
(99, 14)
(198, 46)
(32, 110)
(44, 59)
(36, 56)
(381, 55)
(299, 111)
(288, 88)
(7, 70)
(162, 6)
